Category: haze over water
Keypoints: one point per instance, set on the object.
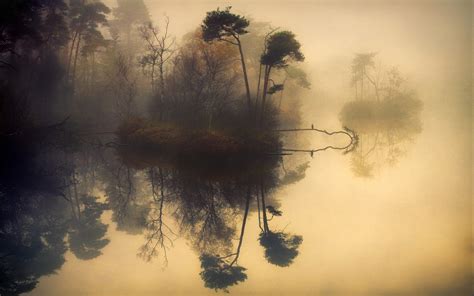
(401, 224)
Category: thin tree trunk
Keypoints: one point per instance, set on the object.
(264, 210)
(162, 86)
(357, 94)
(70, 55)
(162, 79)
(75, 62)
(76, 197)
(244, 222)
(375, 86)
(258, 211)
(73, 210)
(362, 86)
(92, 78)
(281, 94)
(258, 92)
(264, 95)
(244, 69)
(153, 77)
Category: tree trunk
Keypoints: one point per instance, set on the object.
(70, 55)
(75, 63)
(264, 95)
(362, 85)
(357, 94)
(281, 94)
(264, 210)
(162, 85)
(244, 222)
(258, 92)
(258, 211)
(244, 69)
(375, 84)
(76, 195)
(153, 77)
(92, 78)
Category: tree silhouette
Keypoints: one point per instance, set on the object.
(19, 20)
(219, 275)
(160, 48)
(86, 18)
(281, 48)
(223, 25)
(361, 63)
(32, 245)
(159, 235)
(280, 248)
(128, 16)
(86, 237)
(296, 74)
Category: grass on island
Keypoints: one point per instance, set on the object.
(144, 144)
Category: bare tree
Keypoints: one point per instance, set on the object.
(160, 47)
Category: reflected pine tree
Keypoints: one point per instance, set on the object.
(280, 248)
(219, 272)
(219, 275)
(86, 236)
(32, 231)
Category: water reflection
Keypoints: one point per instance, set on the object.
(59, 208)
(211, 209)
(385, 114)
(86, 235)
(31, 242)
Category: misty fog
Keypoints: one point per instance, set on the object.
(253, 148)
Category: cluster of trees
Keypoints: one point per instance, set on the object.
(372, 81)
(385, 113)
(98, 67)
(280, 48)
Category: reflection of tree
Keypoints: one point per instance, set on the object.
(33, 213)
(280, 248)
(125, 199)
(86, 237)
(217, 274)
(159, 234)
(205, 209)
(295, 175)
(32, 231)
(220, 272)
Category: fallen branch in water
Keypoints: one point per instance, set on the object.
(354, 140)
